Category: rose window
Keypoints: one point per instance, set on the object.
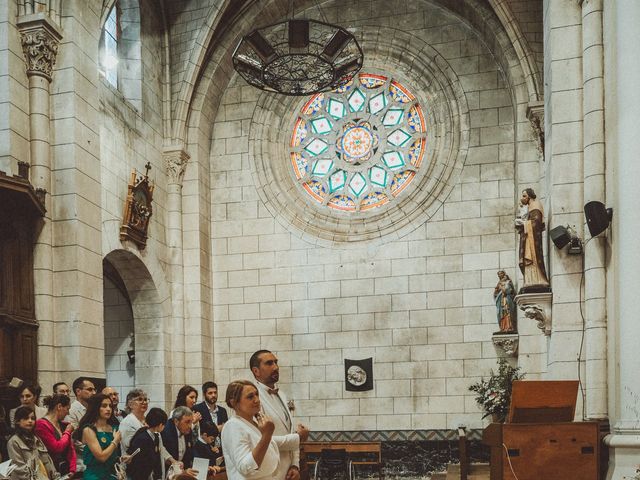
(360, 146)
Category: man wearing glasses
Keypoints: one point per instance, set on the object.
(84, 389)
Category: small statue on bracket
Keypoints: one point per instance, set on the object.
(530, 225)
(503, 296)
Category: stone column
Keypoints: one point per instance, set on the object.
(40, 38)
(176, 161)
(622, 18)
(594, 189)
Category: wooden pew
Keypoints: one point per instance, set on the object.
(361, 453)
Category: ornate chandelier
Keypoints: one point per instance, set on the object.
(298, 57)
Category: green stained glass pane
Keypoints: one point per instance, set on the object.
(377, 103)
(393, 117)
(357, 100)
(337, 181)
(378, 176)
(322, 167)
(358, 184)
(321, 125)
(398, 138)
(393, 160)
(336, 109)
(316, 147)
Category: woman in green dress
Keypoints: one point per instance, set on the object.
(101, 440)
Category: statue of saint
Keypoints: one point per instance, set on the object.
(530, 225)
(503, 296)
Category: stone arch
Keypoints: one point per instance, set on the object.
(151, 313)
(210, 67)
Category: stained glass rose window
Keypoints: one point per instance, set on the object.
(359, 147)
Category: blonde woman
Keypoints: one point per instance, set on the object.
(250, 452)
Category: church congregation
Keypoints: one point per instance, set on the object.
(92, 438)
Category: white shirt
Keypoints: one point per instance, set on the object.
(76, 412)
(239, 438)
(128, 427)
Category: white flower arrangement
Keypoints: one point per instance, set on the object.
(494, 393)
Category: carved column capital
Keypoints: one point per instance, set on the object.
(176, 159)
(535, 114)
(40, 38)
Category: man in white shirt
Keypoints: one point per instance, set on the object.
(84, 389)
(264, 366)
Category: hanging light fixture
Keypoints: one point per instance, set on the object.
(298, 57)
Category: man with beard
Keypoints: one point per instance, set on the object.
(208, 408)
(264, 366)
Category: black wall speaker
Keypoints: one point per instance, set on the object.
(598, 217)
(560, 236)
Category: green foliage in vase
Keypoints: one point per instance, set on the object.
(494, 393)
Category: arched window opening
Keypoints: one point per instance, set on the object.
(109, 46)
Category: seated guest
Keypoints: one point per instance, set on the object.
(101, 439)
(27, 451)
(56, 434)
(148, 462)
(61, 388)
(177, 437)
(208, 408)
(187, 397)
(205, 446)
(250, 452)
(29, 396)
(137, 404)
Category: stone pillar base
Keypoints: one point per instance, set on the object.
(624, 455)
(506, 344)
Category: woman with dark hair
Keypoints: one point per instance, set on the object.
(56, 434)
(102, 440)
(27, 451)
(29, 396)
(187, 397)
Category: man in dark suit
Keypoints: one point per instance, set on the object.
(208, 409)
(178, 438)
(149, 459)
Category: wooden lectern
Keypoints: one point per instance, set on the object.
(540, 439)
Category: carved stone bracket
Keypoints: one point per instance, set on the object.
(176, 159)
(535, 114)
(537, 306)
(40, 38)
(507, 343)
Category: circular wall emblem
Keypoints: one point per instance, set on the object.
(359, 147)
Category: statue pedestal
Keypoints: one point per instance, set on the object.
(536, 306)
(506, 344)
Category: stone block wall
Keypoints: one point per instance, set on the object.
(420, 305)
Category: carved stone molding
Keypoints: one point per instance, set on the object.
(40, 38)
(176, 159)
(537, 306)
(535, 114)
(507, 343)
